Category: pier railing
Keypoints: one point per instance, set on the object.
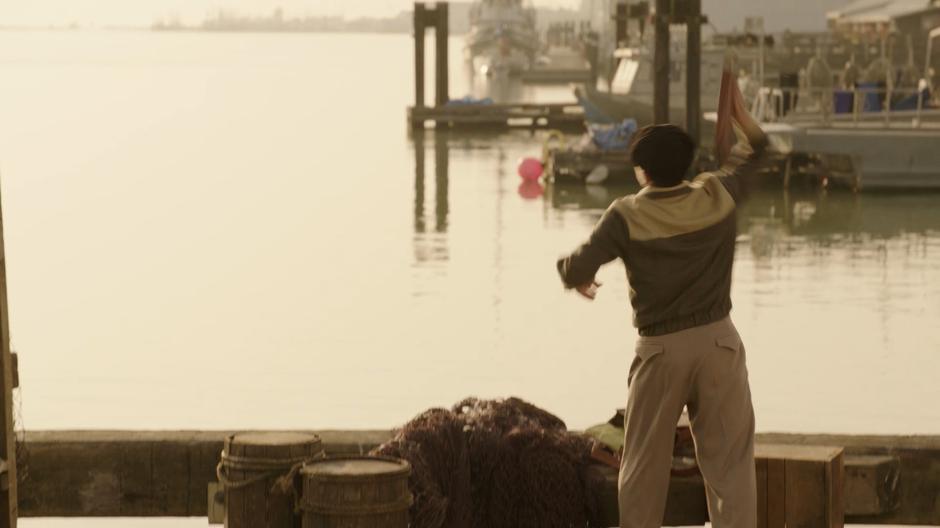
(862, 106)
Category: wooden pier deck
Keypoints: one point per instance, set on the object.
(888, 480)
(563, 116)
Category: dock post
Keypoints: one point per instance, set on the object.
(693, 96)
(661, 64)
(419, 53)
(441, 34)
(621, 24)
(419, 225)
(441, 183)
(8, 477)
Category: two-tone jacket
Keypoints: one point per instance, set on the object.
(677, 245)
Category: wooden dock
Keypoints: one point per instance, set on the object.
(888, 480)
(456, 115)
(498, 116)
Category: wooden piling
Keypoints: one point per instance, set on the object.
(661, 64)
(420, 224)
(693, 96)
(621, 24)
(441, 35)
(419, 16)
(8, 477)
(441, 183)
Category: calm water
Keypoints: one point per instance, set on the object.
(234, 231)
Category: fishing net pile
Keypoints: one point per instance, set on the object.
(495, 464)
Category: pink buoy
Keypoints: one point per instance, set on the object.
(530, 169)
(531, 189)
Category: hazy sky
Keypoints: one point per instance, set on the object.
(727, 14)
(143, 12)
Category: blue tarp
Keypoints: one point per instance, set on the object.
(592, 114)
(613, 137)
(469, 101)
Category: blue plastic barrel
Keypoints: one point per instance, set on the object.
(842, 101)
(871, 100)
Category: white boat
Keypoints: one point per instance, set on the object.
(890, 134)
(503, 38)
(887, 149)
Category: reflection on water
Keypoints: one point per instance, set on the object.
(431, 245)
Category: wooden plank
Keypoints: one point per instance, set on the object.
(442, 70)
(170, 477)
(500, 122)
(496, 110)
(806, 494)
(256, 503)
(135, 471)
(8, 493)
(776, 494)
(419, 53)
(811, 453)
(661, 62)
(280, 507)
(499, 108)
(835, 485)
(761, 474)
(203, 457)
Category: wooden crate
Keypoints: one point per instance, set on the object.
(799, 486)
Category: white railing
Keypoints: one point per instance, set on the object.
(868, 105)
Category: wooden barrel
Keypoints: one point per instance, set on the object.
(258, 473)
(356, 492)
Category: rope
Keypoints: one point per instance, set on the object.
(269, 467)
(553, 135)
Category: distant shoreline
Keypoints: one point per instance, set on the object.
(293, 31)
(26, 29)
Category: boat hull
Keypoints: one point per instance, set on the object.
(884, 158)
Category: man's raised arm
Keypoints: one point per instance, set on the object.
(741, 155)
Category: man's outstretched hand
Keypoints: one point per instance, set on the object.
(589, 291)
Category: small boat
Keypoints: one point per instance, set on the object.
(503, 38)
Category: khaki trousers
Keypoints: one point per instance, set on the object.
(704, 369)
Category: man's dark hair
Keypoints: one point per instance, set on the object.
(664, 152)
